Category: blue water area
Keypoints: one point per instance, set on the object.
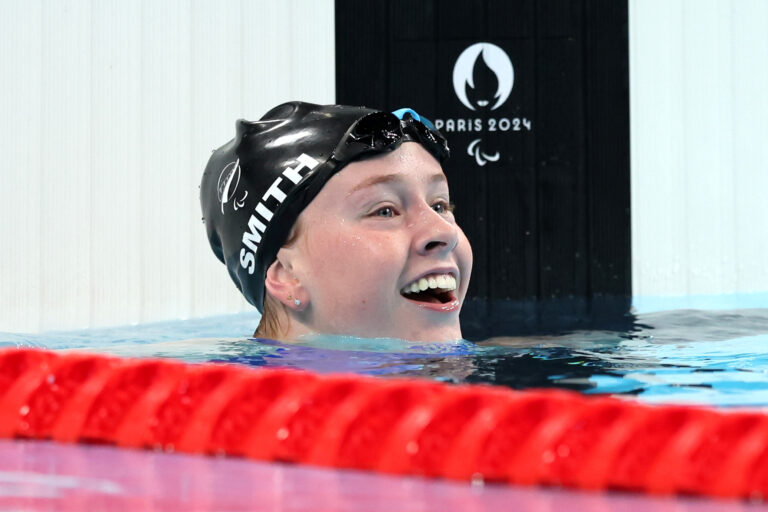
(715, 357)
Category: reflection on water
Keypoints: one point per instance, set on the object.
(712, 357)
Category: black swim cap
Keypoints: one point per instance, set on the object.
(255, 186)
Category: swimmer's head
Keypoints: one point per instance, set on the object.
(256, 187)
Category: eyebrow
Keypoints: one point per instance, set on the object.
(393, 178)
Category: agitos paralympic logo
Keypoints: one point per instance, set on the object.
(483, 77)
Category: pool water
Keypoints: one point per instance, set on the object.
(680, 356)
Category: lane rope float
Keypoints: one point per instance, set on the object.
(399, 426)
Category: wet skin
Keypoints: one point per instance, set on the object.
(376, 226)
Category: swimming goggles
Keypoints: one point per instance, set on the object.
(384, 131)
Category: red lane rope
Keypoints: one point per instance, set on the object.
(401, 426)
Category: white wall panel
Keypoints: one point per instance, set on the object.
(116, 163)
(312, 78)
(656, 145)
(165, 142)
(110, 111)
(698, 87)
(21, 131)
(217, 80)
(749, 97)
(266, 57)
(64, 142)
(706, 143)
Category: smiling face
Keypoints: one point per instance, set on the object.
(379, 253)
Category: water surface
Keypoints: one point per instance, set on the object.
(680, 356)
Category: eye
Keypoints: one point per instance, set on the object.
(384, 211)
(442, 207)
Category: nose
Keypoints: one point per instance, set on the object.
(434, 233)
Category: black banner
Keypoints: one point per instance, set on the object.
(533, 98)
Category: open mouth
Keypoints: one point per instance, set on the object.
(434, 289)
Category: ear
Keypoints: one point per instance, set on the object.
(285, 287)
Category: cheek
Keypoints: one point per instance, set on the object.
(465, 249)
(351, 260)
(465, 257)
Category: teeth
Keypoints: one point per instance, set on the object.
(435, 281)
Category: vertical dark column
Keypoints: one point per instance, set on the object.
(413, 70)
(606, 47)
(514, 284)
(560, 159)
(541, 176)
(362, 53)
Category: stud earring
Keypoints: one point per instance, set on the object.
(289, 297)
(297, 302)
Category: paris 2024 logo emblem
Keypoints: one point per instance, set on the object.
(496, 61)
(483, 78)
